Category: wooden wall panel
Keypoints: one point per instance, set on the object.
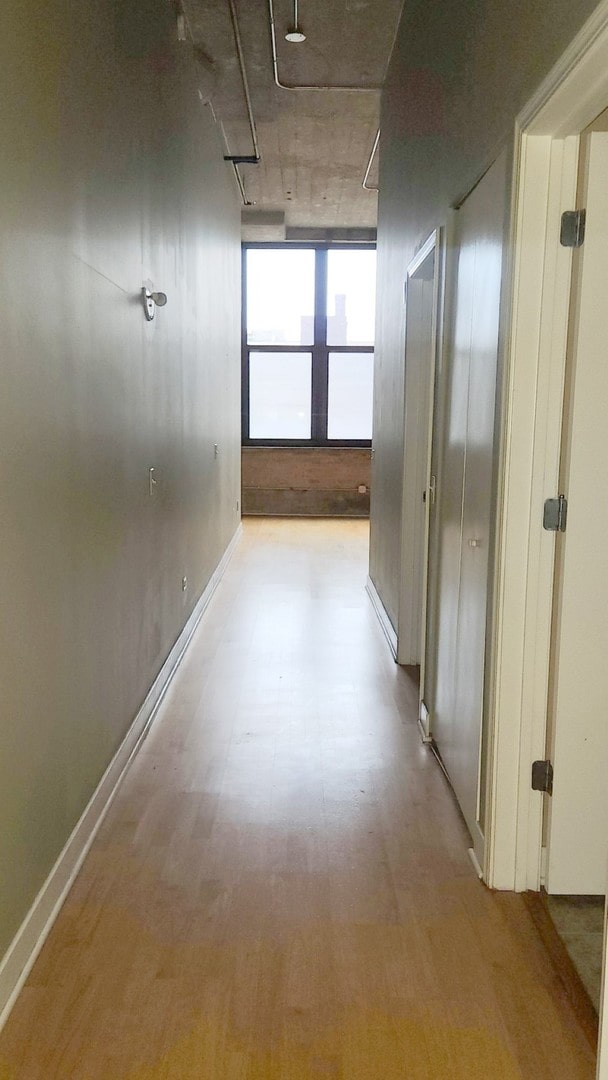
(306, 481)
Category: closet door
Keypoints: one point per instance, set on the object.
(578, 730)
(466, 501)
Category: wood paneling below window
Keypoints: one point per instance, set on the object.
(306, 481)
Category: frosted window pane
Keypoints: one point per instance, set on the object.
(351, 388)
(280, 296)
(351, 297)
(280, 386)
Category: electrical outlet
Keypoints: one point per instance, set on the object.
(184, 583)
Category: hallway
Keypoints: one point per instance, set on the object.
(281, 888)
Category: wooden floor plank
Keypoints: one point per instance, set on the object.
(281, 890)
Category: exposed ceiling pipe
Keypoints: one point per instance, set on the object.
(306, 86)
(233, 159)
(243, 159)
(237, 175)
(185, 32)
(371, 187)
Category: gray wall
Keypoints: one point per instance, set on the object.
(459, 74)
(111, 173)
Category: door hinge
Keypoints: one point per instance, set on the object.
(555, 514)
(542, 776)
(543, 865)
(572, 230)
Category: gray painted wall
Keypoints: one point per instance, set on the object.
(459, 75)
(111, 173)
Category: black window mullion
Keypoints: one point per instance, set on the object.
(350, 348)
(319, 350)
(244, 351)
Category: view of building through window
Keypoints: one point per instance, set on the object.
(308, 353)
(351, 297)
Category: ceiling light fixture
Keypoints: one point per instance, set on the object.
(295, 34)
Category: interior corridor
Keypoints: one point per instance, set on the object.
(281, 888)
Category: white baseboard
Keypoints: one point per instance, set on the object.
(381, 612)
(21, 955)
(475, 861)
(424, 723)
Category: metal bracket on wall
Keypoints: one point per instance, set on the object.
(243, 159)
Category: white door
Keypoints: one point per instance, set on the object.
(577, 836)
(420, 354)
(430, 575)
(465, 498)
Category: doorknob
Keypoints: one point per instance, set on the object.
(474, 542)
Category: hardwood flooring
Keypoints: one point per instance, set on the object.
(281, 890)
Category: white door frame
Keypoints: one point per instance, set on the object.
(436, 243)
(418, 430)
(545, 175)
(602, 1046)
(545, 172)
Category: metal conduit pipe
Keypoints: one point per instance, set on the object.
(237, 175)
(306, 86)
(234, 159)
(371, 187)
(246, 159)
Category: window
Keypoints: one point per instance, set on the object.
(308, 339)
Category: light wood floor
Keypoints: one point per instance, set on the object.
(281, 890)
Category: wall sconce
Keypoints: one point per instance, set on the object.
(152, 300)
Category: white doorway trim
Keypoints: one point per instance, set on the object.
(546, 161)
(545, 169)
(418, 432)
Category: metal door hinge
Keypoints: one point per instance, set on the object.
(543, 865)
(572, 230)
(555, 514)
(542, 776)
(432, 490)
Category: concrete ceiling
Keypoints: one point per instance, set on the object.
(314, 144)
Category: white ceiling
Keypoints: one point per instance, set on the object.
(314, 144)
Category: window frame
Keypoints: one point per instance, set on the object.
(319, 349)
